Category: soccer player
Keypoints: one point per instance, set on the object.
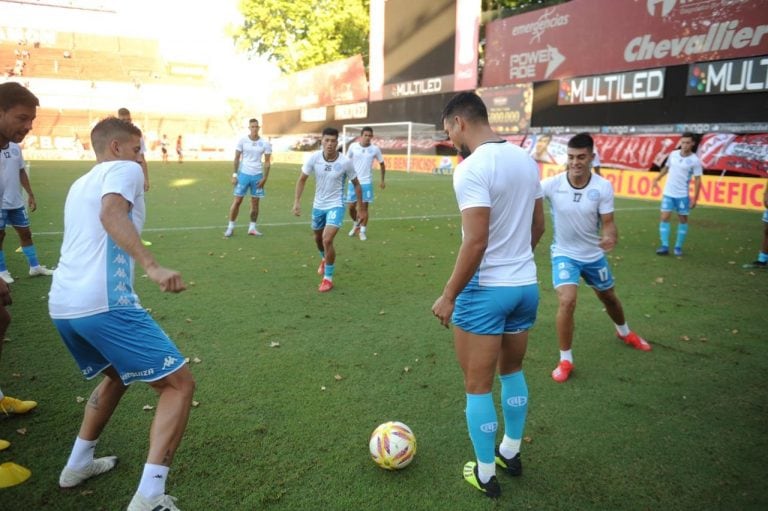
(492, 295)
(682, 164)
(582, 213)
(330, 169)
(179, 149)
(762, 256)
(363, 154)
(18, 108)
(164, 148)
(125, 115)
(98, 315)
(250, 175)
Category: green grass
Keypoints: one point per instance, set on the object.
(682, 427)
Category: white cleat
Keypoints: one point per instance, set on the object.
(39, 270)
(254, 232)
(6, 276)
(228, 232)
(362, 236)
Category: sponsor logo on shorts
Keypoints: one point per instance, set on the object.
(564, 274)
(137, 374)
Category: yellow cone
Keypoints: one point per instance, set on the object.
(19, 250)
(4, 444)
(12, 474)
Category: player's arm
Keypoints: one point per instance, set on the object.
(383, 169)
(765, 196)
(696, 190)
(362, 215)
(299, 190)
(475, 224)
(662, 173)
(610, 233)
(538, 223)
(115, 218)
(265, 175)
(597, 170)
(24, 181)
(238, 153)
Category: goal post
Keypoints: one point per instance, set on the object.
(390, 130)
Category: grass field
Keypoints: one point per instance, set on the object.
(286, 428)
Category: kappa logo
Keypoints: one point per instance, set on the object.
(169, 362)
(666, 7)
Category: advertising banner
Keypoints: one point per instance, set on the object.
(737, 153)
(509, 108)
(590, 37)
(612, 88)
(728, 76)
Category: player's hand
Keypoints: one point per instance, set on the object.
(654, 185)
(607, 244)
(170, 281)
(146, 185)
(297, 209)
(693, 203)
(234, 180)
(443, 310)
(261, 184)
(32, 203)
(5, 294)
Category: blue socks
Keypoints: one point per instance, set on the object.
(329, 271)
(762, 257)
(682, 231)
(482, 424)
(3, 267)
(31, 254)
(664, 233)
(514, 404)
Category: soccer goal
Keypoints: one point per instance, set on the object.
(399, 138)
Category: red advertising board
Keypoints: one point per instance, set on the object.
(588, 37)
(342, 81)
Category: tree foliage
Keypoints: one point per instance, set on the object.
(300, 34)
(518, 6)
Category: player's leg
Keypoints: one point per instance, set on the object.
(234, 210)
(565, 326)
(478, 356)
(682, 232)
(351, 199)
(252, 230)
(664, 227)
(4, 273)
(616, 312)
(367, 190)
(20, 221)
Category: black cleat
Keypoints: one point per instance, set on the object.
(491, 488)
(512, 466)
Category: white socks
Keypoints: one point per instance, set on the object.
(509, 447)
(152, 482)
(623, 330)
(485, 471)
(82, 453)
(566, 355)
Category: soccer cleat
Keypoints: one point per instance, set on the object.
(6, 276)
(146, 243)
(254, 232)
(4, 444)
(662, 250)
(162, 503)
(228, 232)
(70, 477)
(325, 286)
(678, 251)
(9, 405)
(362, 236)
(354, 230)
(491, 488)
(39, 270)
(321, 268)
(12, 474)
(761, 265)
(562, 371)
(635, 341)
(512, 466)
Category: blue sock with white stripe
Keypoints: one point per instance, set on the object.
(31, 254)
(682, 232)
(329, 271)
(514, 406)
(664, 233)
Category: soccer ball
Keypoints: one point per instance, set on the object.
(392, 445)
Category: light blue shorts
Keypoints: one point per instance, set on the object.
(15, 217)
(367, 190)
(322, 217)
(765, 216)
(247, 183)
(496, 310)
(127, 339)
(597, 274)
(682, 205)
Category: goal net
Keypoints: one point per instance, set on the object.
(401, 138)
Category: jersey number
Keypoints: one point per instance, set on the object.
(576, 197)
(603, 273)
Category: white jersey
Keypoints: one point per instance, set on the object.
(504, 178)
(362, 158)
(10, 176)
(596, 160)
(681, 169)
(329, 178)
(576, 215)
(94, 275)
(251, 153)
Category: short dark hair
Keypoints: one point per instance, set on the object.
(690, 135)
(467, 105)
(13, 94)
(253, 120)
(123, 111)
(331, 132)
(110, 128)
(366, 128)
(582, 141)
